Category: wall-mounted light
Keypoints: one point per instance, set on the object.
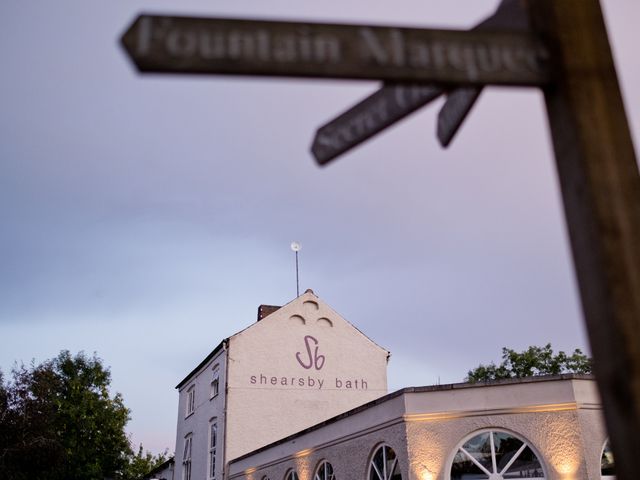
(426, 474)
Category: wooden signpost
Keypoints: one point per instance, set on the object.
(566, 52)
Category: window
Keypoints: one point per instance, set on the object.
(186, 458)
(215, 382)
(384, 465)
(291, 475)
(213, 440)
(191, 400)
(607, 465)
(495, 455)
(324, 472)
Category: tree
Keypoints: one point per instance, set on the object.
(90, 422)
(58, 420)
(29, 447)
(532, 361)
(142, 463)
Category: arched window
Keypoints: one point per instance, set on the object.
(291, 475)
(607, 465)
(384, 465)
(324, 472)
(495, 455)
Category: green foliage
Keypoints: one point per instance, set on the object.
(142, 463)
(58, 421)
(29, 443)
(532, 361)
(90, 422)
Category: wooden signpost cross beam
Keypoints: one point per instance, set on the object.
(567, 53)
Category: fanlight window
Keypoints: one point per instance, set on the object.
(291, 475)
(607, 465)
(384, 465)
(495, 455)
(324, 472)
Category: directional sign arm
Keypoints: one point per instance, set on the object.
(192, 45)
(458, 105)
(370, 116)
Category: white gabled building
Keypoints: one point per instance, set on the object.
(302, 395)
(298, 365)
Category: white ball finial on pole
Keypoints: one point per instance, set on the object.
(295, 246)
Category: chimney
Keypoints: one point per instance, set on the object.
(264, 310)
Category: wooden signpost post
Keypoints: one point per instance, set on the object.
(565, 51)
(600, 184)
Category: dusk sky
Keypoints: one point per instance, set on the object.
(145, 217)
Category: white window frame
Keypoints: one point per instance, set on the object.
(186, 457)
(385, 474)
(191, 401)
(291, 475)
(604, 447)
(490, 431)
(213, 445)
(215, 382)
(321, 471)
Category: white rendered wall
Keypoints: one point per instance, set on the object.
(560, 419)
(298, 366)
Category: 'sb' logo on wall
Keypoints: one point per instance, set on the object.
(313, 358)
